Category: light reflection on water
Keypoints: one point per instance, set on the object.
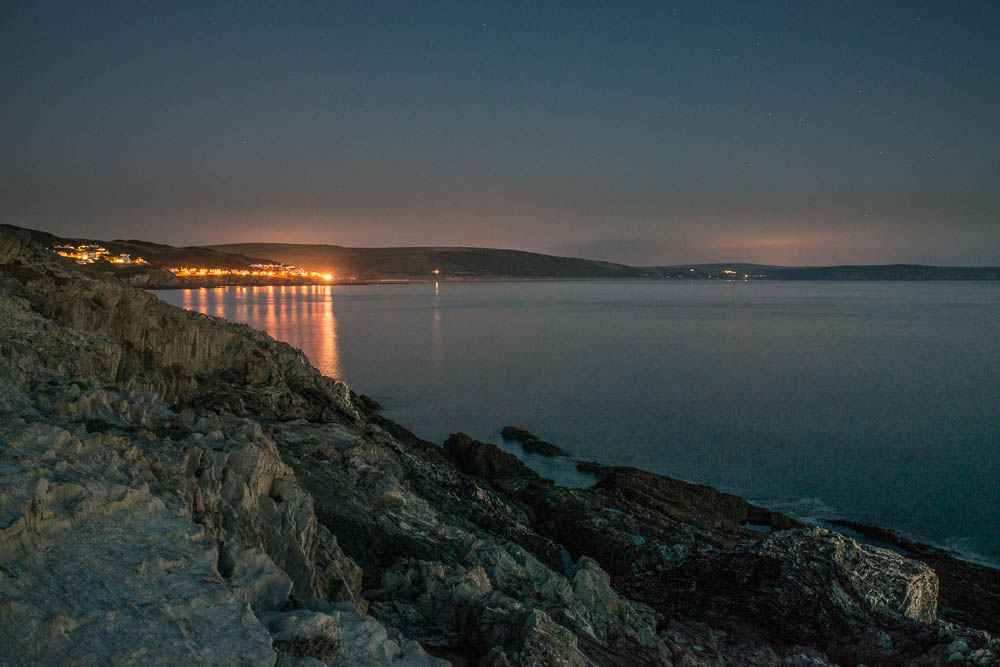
(437, 341)
(300, 315)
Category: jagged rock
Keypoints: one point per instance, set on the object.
(483, 460)
(542, 447)
(531, 442)
(806, 585)
(340, 635)
(368, 403)
(155, 279)
(99, 559)
(184, 356)
(249, 496)
(639, 526)
(93, 571)
(631, 521)
(803, 584)
(255, 577)
(969, 593)
(486, 603)
(544, 642)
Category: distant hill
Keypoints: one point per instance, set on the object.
(884, 272)
(158, 255)
(459, 263)
(419, 263)
(844, 272)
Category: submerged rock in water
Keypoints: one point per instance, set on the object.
(484, 460)
(530, 442)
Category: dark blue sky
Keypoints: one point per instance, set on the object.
(645, 132)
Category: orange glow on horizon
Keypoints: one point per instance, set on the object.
(779, 242)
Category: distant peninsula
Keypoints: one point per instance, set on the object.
(158, 266)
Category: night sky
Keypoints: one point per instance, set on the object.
(645, 132)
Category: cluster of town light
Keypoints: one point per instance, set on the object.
(265, 270)
(90, 253)
(730, 274)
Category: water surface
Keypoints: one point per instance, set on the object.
(872, 401)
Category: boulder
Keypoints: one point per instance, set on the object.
(807, 585)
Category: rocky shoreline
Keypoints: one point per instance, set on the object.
(179, 489)
(969, 592)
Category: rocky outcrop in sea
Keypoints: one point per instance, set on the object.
(177, 489)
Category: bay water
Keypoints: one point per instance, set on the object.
(871, 401)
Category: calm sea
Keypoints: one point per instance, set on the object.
(878, 402)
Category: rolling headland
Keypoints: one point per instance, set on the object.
(364, 265)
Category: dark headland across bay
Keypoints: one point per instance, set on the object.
(374, 265)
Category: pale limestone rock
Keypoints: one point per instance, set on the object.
(95, 572)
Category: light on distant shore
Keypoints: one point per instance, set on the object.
(265, 270)
(436, 271)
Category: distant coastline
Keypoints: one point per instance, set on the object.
(162, 279)
(355, 266)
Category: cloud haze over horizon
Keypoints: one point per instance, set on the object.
(646, 133)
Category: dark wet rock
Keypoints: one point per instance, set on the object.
(484, 460)
(969, 592)
(364, 403)
(530, 442)
(804, 585)
(427, 449)
(487, 606)
(658, 536)
(761, 516)
(515, 433)
(369, 403)
(156, 279)
(451, 561)
(542, 447)
(632, 521)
